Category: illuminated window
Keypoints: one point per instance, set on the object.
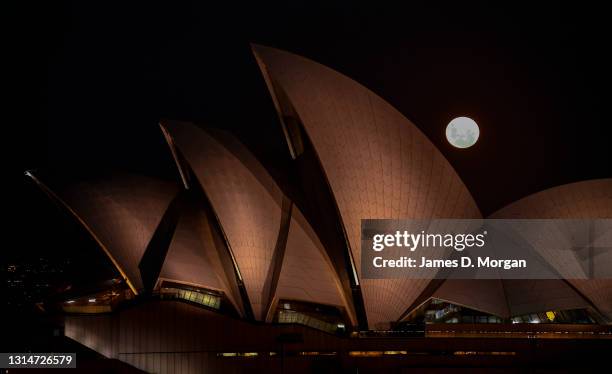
(574, 316)
(101, 302)
(194, 295)
(317, 353)
(238, 354)
(440, 311)
(365, 353)
(395, 353)
(321, 317)
(484, 353)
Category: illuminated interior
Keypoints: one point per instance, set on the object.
(321, 317)
(440, 311)
(196, 295)
(580, 316)
(98, 302)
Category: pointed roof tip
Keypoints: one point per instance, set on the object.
(259, 50)
(165, 122)
(256, 46)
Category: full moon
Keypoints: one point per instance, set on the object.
(462, 132)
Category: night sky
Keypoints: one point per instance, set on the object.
(88, 84)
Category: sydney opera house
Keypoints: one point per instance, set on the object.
(237, 266)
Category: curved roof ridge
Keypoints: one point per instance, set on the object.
(377, 162)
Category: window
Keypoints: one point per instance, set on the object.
(556, 316)
(321, 317)
(194, 295)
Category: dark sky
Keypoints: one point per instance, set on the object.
(89, 83)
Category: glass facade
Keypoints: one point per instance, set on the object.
(440, 311)
(288, 316)
(577, 316)
(100, 302)
(321, 317)
(194, 295)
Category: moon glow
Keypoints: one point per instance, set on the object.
(462, 132)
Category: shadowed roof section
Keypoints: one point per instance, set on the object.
(377, 162)
(244, 197)
(122, 213)
(588, 199)
(511, 297)
(307, 273)
(192, 258)
(486, 295)
(539, 295)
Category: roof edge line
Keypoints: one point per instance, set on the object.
(175, 155)
(53, 196)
